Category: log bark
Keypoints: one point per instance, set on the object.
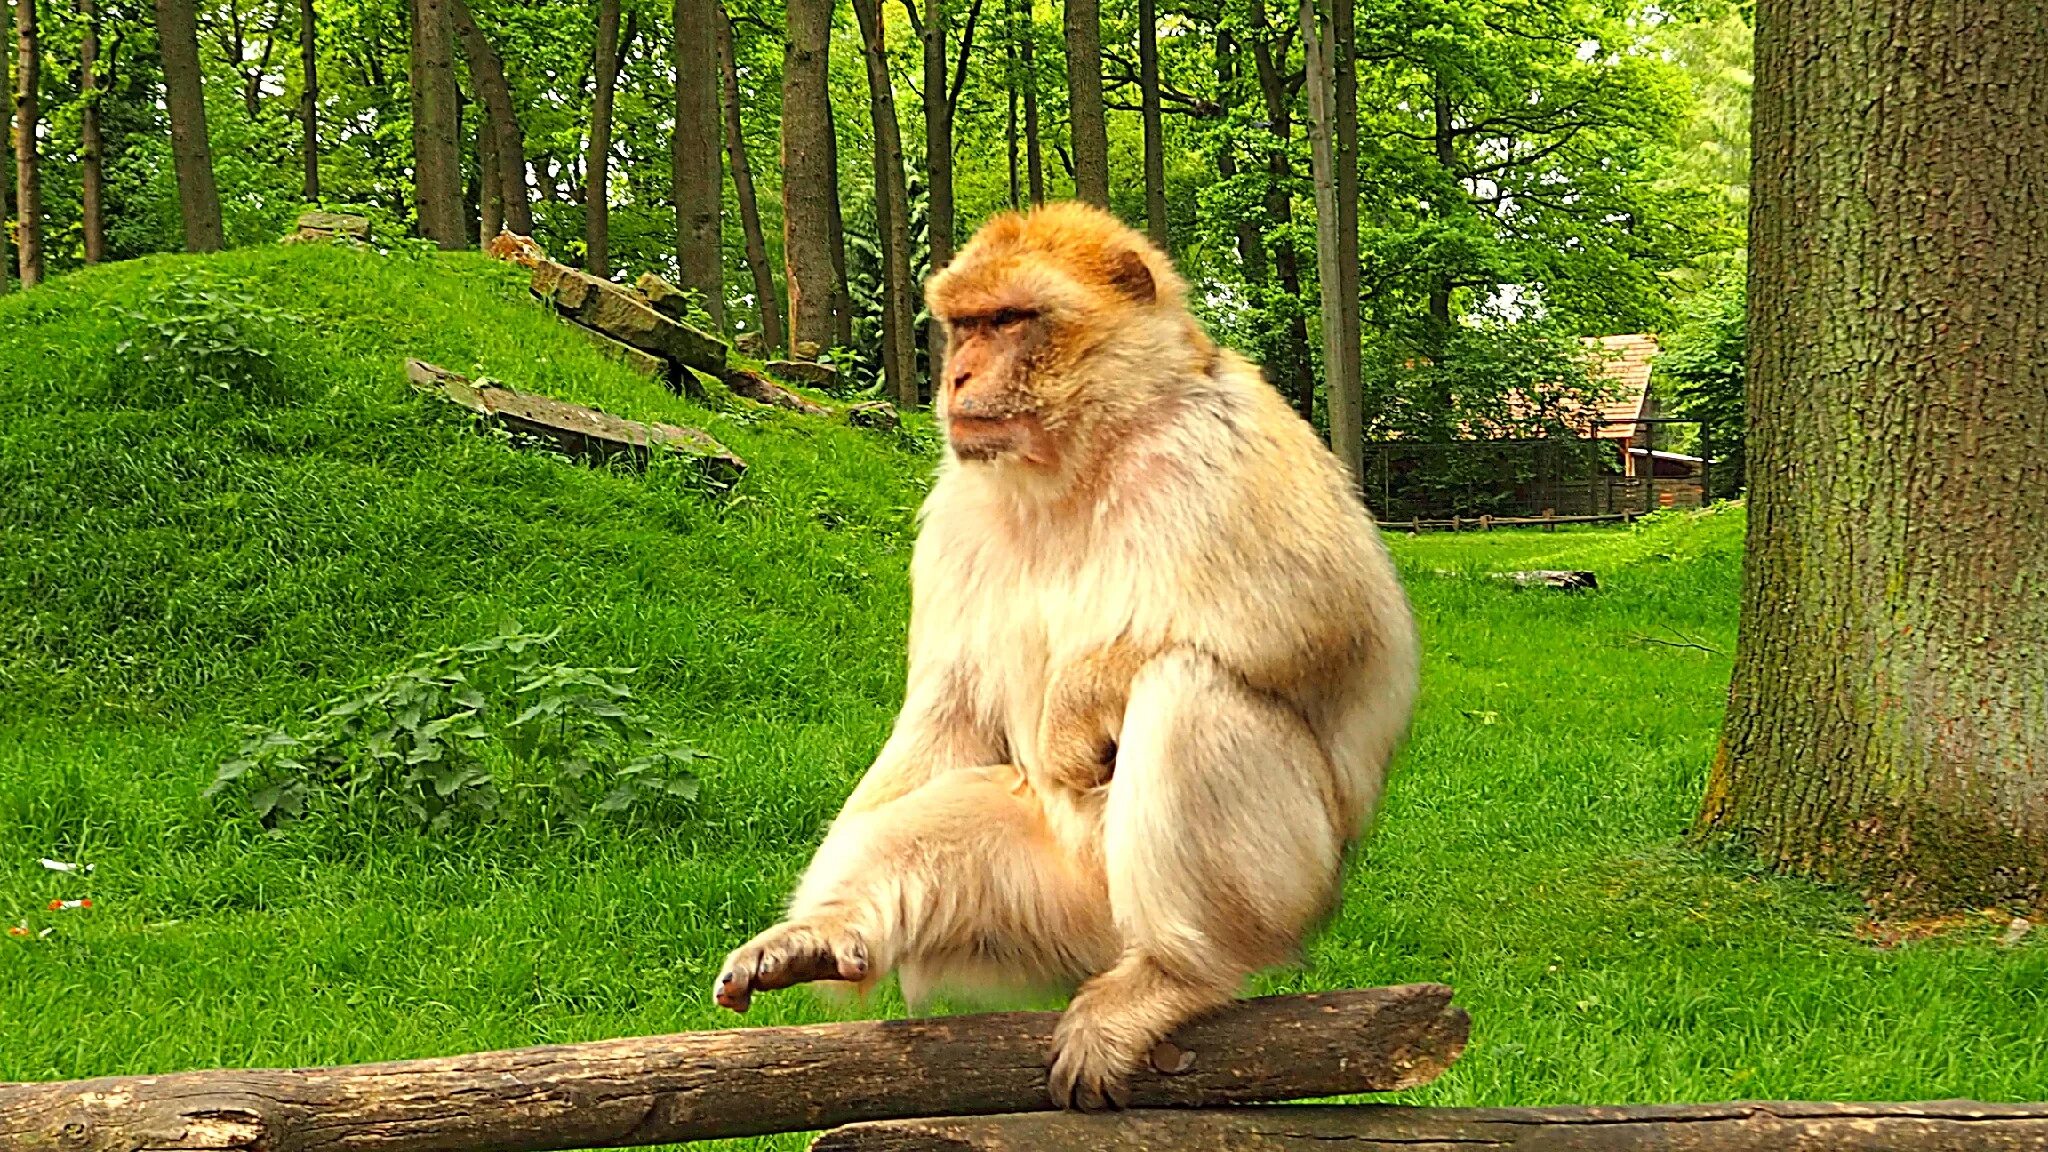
(739, 1082)
(1888, 719)
(765, 296)
(191, 154)
(1946, 1126)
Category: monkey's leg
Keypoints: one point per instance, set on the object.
(1221, 850)
(963, 871)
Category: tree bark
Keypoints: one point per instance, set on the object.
(1888, 719)
(490, 194)
(1088, 125)
(1346, 398)
(28, 181)
(191, 155)
(1154, 130)
(487, 73)
(597, 165)
(938, 151)
(1251, 244)
(1437, 321)
(699, 179)
(810, 181)
(743, 189)
(1325, 43)
(1034, 150)
(738, 1082)
(437, 157)
(309, 99)
(1945, 1126)
(6, 155)
(842, 291)
(91, 143)
(892, 211)
(1273, 92)
(1012, 75)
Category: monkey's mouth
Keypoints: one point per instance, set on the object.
(984, 438)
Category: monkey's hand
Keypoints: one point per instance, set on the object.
(791, 953)
(1094, 1053)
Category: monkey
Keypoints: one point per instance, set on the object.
(1159, 661)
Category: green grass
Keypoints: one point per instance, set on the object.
(175, 563)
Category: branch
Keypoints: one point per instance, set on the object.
(960, 61)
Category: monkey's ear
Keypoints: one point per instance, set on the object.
(1129, 276)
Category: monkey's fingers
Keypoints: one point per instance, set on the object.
(787, 955)
(1083, 1076)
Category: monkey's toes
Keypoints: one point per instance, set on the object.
(787, 955)
(1085, 1075)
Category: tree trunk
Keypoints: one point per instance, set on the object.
(1251, 244)
(810, 180)
(1011, 73)
(1273, 92)
(437, 157)
(1034, 150)
(842, 291)
(1088, 125)
(597, 167)
(92, 215)
(28, 183)
(1437, 327)
(6, 155)
(1341, 354)
(490, 188)
(699, 179)
(487, 73)
(743, 187)
(309, 99)
(1888, 720)
(892, 204)
(192, 156)
(1346, 398)
(1154, 131)
(938, 151)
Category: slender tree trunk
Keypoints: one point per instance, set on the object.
(309, 98)
(6, 155)
(91, 143)
(892, 201)
(938, 151)
(1088, 123)
(1322, 48)
(699, 179)
(191, 155)
(1034, 151)
(1346, 403)
(28, 184)
(1888, 720)
(597, 168)
(487, 73)
(490, 195)
(437, 158)
(1273, 92)
(842, 292)
(1251, 243)
(1154, 131)
(1437, 331)
(1010, 122)
(743, 187)
(810, 180)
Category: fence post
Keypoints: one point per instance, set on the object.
(1485, 522)
(1706, 465)
(1649, 468)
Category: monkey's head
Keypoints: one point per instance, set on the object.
(1061, 324)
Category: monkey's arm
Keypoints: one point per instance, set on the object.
(939, 729)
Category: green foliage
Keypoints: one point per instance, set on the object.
(195, 333)
(421, 739)
(1705, 357)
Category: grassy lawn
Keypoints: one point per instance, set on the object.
(177, 560)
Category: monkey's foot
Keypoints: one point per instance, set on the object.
(788, 954)
(1091, 1064)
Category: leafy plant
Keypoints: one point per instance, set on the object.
(423, 738)
(198, 335)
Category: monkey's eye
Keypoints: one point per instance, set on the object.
(1012, 317)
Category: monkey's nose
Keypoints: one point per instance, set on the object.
(959, 379)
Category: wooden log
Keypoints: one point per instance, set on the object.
(739, 1082)
(1568, 581)
(761, 390)
(1947, 1126)
(623, 315)
(584, 433)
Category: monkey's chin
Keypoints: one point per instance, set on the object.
(982, 440)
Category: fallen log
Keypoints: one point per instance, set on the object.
(1946, 1126)
(577, 431)
(761, 390)
(1568, 581)
(738, 1082)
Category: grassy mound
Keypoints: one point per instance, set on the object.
(235, 533)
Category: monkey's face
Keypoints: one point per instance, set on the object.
(1042, 312)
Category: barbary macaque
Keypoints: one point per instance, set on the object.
(1159, 661)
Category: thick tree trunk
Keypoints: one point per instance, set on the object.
(842, 290)
(743, 188)
(597, 164)
(191, 155)
(810, 181)
(938, 151)
(1088, 126)
(892, 204)
(1944, 1126)
(309, 98)
(699, 179)
(487, 72)
(91, 142)
(490, 188)
(28, 179)
(1034, 149)
(1154, 131)
(6, 155)
(1888, 720)
(437, 157)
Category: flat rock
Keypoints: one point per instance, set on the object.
(804, 372)
(584, 433)
(879, 415)
(762, 390)
(645, 363)
(663, 296)
(622, 315)
(318, 226)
